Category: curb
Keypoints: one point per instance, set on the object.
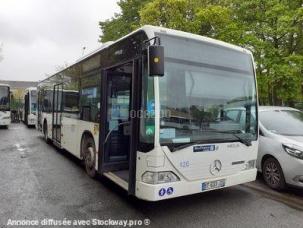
(293, 202)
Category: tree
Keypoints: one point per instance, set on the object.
(200, 17)
(271, 29)
(124, 22)
(275, 31)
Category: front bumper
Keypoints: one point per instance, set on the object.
(293, 172)
(181, 188)
(5, 122)
(31, 120)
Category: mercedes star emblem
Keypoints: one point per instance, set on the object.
(215, 167)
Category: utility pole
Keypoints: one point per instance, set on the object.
(83, 49)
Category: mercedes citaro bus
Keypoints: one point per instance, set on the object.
(29, 112)
(148, 111)
(5, 111)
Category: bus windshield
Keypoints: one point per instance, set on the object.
(207, 93)
(4, 98)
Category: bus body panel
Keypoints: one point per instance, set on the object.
(196, 165)
(182, 188)
(5, 118)
(5, 111)
(72, 132)
(32, 119)
(192, 167)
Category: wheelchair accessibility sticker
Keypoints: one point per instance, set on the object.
(162, 192)
(167, 191)
(170, 191)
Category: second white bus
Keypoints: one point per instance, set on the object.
(29, 111)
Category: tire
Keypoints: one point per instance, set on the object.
(45, 133)
(88, 151)
(273, 174)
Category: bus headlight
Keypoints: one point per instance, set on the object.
(159, 177)
(251, 164)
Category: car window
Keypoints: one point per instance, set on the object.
(233, 115)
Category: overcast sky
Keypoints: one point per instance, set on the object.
(37, 36)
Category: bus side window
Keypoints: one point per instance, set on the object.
(71, 101)
(45, 105)
(90, 98)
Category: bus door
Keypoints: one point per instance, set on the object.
(118, 135)
(39, 109)
(26, 108)
(57, 113)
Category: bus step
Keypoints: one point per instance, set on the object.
(57, 144)
(116, 179)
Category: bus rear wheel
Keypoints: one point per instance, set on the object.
(45, 133)
(88, 150)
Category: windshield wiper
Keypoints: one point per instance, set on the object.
(242, 140)
(235, 133)
(184, 145)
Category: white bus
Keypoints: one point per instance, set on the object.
(5, 111)
(29, 111)
(146, 113)
(45, 106)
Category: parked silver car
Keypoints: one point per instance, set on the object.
(280, 157)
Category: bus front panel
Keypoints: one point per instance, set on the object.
(205, 123)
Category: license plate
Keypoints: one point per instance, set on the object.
(213, 185)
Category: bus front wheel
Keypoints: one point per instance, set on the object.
(88, 150)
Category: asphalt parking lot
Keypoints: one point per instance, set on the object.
(40, 182)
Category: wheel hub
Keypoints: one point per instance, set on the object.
(272, 173)
(90, 156)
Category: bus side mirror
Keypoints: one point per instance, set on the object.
(155, 60)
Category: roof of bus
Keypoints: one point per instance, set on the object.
(4, 85)
(31, 88)
(150, 32)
